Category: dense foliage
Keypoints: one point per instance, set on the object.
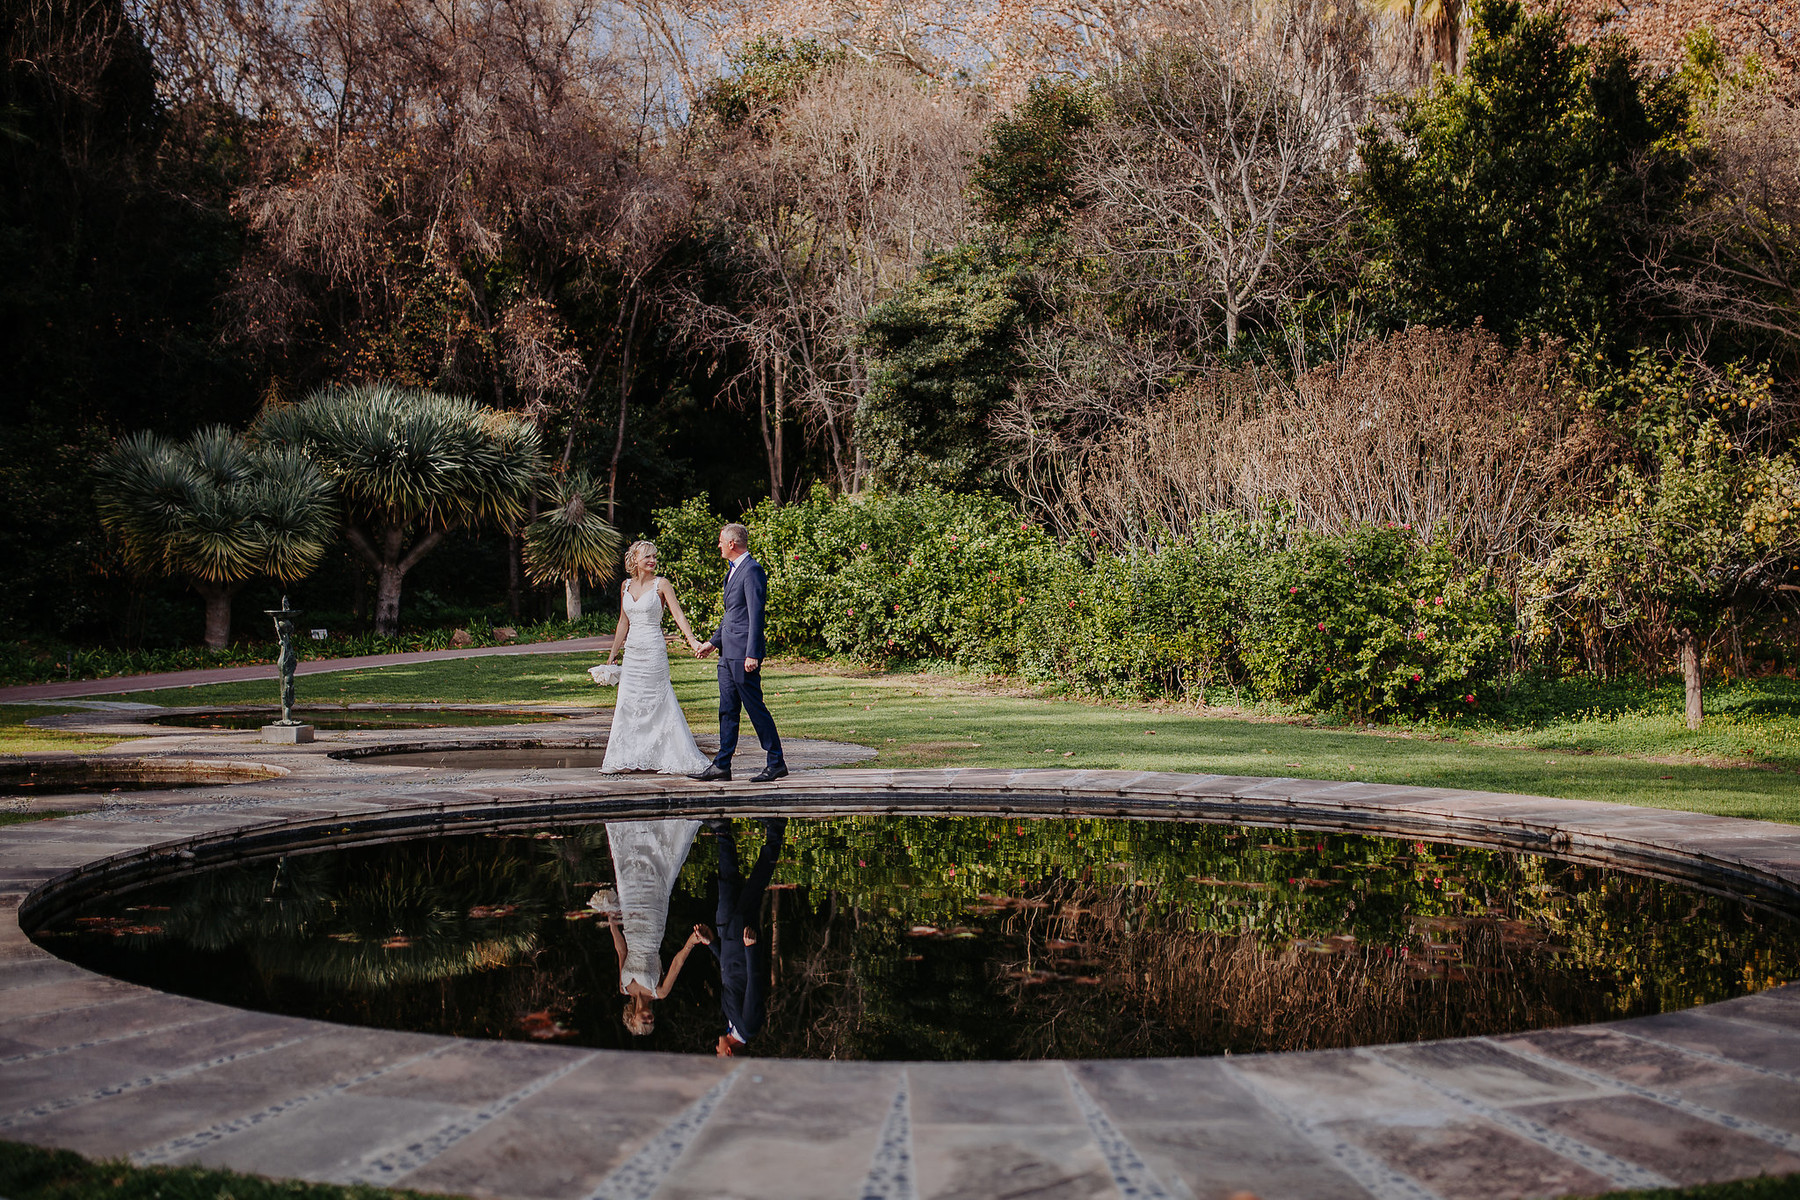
(1373, 622)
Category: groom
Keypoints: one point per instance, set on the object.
(741, 650)
(734, 941)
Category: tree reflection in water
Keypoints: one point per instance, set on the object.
(961, 938)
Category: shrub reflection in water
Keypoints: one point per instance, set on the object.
(960, 938)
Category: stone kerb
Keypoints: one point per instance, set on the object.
(113, 1069)
(1759, 861)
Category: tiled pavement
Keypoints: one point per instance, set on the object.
(108, 1068)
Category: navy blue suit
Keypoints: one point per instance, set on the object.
(740, 636)
(744, 970)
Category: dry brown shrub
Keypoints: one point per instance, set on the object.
(1447, 432)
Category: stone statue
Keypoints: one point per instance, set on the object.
(287, 729)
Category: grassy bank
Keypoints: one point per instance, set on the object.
(938, 720)
(16, 737)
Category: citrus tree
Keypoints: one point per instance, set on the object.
(410, 465)
(215, 511)
(571, 541)
(1706, 524)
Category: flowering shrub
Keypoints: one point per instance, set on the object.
(1372, 623)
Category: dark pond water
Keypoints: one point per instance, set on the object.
(344, 719)
(954, 938)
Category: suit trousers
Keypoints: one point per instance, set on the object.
(740, 899)
(741, 691)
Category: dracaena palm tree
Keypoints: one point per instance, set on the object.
(215, 511)
(410, 465)
(571, 541)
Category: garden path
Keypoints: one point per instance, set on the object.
(70, 689)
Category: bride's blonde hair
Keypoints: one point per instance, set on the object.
(636, 554)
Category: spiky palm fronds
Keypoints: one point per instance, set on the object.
(572, 540)
(402, 456)
(214, 509)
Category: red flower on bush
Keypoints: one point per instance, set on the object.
(1321, 626)
(1416, 678)
(1469, 699)
(865, 545)
(1292, 590)
(1420, 635)
(1439, 600)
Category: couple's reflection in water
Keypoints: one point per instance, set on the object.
(647, 859)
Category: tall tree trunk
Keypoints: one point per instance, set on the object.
(572, 597)
(612, 478)
(771, 441)
(218, 611)
(391, 567)
(512, 573)
(1690, 677)
(780, 466)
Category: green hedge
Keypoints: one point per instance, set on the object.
(1373, 623)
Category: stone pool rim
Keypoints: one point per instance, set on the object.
(1754, 862)
(1524, 1114)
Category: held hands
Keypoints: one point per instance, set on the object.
(702, 936)
(704, 649)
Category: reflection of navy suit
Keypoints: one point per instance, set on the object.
(744, 970)
(740, 636)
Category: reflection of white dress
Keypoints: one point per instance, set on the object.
(649, 732)
(647, 856)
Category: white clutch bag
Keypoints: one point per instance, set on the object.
(605, 902)
(606, 674)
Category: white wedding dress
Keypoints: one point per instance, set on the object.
(647, 856)
(649, 731)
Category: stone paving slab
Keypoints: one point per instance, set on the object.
(109, 1068)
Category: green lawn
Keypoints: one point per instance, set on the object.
(934, 720)
(16, 737)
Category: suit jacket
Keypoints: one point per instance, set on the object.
(746, 595)
(744, 980)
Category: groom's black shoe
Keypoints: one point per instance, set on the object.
(770, 774)
(715, 771)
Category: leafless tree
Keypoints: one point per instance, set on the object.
(1448, 433)
(1731, 256)
(826, 211)
(1221, 159)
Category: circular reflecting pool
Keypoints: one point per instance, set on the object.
(936, 938)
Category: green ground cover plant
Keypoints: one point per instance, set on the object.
(916, 719)
(37, 1173)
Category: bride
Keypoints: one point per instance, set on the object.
(649, 732)
(647, 858)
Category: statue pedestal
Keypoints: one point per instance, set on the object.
(288, 734)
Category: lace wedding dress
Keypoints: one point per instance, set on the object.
(647, 856)
(649, 732)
